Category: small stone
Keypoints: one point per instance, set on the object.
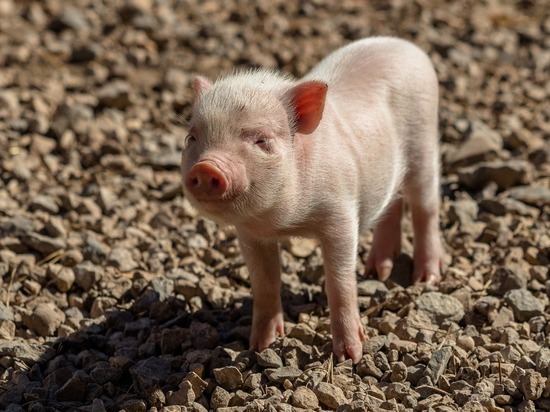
(71, 258)
(122, 259)
(371, 287)
(507, 278)
(303, 333)
(204, 335)
(69, 18)
(438, 363)
(524, 304)
(73, 390)
(196, 382)
(463, 211)
(44, 203)
(304, 398)
(86, 53)
(87, 275)
(269, 359)
(5, 312)
(115, 94)
(397, 390)
(533, 195)
(466, 342)
(279, 375)
(483, 144)
(330, 395)
(62, 277)
(531, 384)
(440, 307)
(7, 329)
(185, 396)
(302, 247)
(44, 319)
(504, 173)
(150, 371)
(220, 398)
(28, 353)
(44, 244)
(100, 305)
(54, 227)
(398, 372)
(229, 377)
(9, 101)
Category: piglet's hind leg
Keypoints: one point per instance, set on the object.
(386, 244)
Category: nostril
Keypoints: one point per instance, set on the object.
(215, 182)
(195, 181)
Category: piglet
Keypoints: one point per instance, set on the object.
(326, 156)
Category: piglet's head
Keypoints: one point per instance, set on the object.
(239, 154)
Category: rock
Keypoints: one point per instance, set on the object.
(5, 312)
(508, 278)
(203, 335)
(62, 277)
(43, 244)
(463, 211)
(371, 287)
(532, 195)
(220, 398)
(524, 304)
(229, 377)
(465, 342)
(504, 173)
(87, 275)
(279, 375)
(302, 247)
(303, 333)
(69, 18)
(28, 353)
(439, 307)
(304, 398)
(73, 390)
(86, 53)
(438, 363)
(100, 305)
(482, 144)
(9, 101)
(185, 396)
(115, 94)
(122, 259)
(269, 359)
(7, 329)
(196, 382)
(330, 395)
(151, 371)
(44, 203)
(398, 372)
(164, 161)
(44, 319)
(531, 385)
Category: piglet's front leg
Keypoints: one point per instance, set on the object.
(339, 248)
(262, 260)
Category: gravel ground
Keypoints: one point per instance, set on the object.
(115, 295)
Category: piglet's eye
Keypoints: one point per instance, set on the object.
(190, 139)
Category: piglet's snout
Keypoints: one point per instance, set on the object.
(206, 181)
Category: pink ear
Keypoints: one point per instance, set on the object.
(308, 100)
(200, 85)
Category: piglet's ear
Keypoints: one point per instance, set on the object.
(200, 86)
(308, 101)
